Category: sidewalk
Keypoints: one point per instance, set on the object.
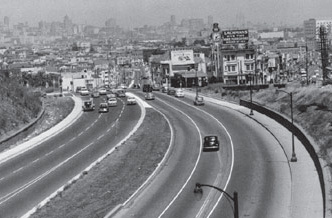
(19, 149)
(307, 201)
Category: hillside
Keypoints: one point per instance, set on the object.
(19, 104)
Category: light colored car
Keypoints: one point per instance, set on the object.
(112, 102)
(179, 93)
(102, 91)
(95, 94)
(84, 91)
(131, 100)
(123, 86)
(149, 96)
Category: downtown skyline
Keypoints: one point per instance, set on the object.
(131, 14)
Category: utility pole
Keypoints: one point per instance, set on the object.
(306, 61)
(323, 51)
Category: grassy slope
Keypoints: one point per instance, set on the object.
(114, 180)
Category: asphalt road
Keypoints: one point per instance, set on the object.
(250, 162)
(32, 176)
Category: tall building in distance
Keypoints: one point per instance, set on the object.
(312, 28)
(173, 21)
(6, 22)
(110, 23)
(210, 21)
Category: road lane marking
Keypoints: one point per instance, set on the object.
(232, 149)
(99, 137)
(17, 170)
(35, 160)
(196, 163)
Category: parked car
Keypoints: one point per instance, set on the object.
(199, 100)
(131, 100)
(149, 96)
(112, 102)
(103, 107)
(211, 143)
(179, 93)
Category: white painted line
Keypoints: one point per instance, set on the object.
(35, 160)
(195, 166)
(17, 170)
(99, 137)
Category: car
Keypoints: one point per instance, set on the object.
(78, 89)
(199, 100)
(123, 86)
(149, 96)
(156, 87)
(131, 100)
(95, 94)
(88, 105)
(102, 91)
(120, 93)
(179, 93)
(112, 102)
(103, 107)
(211, 143)
(84, 91)
(164, 89)
(110, 95)
(171, 92)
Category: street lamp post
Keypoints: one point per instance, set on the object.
(293, 158)
(198, 190)
(251, 111)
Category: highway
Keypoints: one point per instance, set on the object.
(32, 176)
(249, 162)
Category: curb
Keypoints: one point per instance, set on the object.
(86, 170)
(25, 146)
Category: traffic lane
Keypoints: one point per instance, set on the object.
(100, 146)
(213, 168)
(61, 138)
(174, 172)
(261, 171)
(174, 201)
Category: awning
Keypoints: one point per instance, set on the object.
(191, 74)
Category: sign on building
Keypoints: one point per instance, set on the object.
(182, 57)
(235, 36)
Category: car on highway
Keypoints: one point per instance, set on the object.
(131, 100)
(149, 96)
(171, 91)
(156, 87)
(102, 91)
(110, 95)
(211, 143)
(179, 93)
(84, 91)
(103, 108)
(123, 86)
(112, 102)
(199, 100)
(95, 94)
(164, 89)
(121, 93)
(88, 105)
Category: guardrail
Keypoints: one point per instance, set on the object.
(301, 137)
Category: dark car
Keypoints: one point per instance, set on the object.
(103, 108)
(211, 143)
(171, 92)
(199, 100)
(164, 89)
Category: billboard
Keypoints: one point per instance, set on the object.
(182, 57)
(235, 36)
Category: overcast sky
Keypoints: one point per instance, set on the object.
(133, 13)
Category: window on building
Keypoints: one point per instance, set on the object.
(233, 68)
(249, 56)
(232, 57)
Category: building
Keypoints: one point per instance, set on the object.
(311, 30)
(180, 67)
(238, 65)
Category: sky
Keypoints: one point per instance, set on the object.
(136, 13)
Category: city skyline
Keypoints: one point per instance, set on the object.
(130, 13)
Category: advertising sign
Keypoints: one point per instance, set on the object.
(182, 57)
(235, 36)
